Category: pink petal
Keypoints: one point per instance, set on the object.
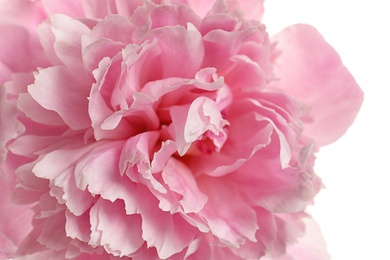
(114, 27)
(242, 144)
(221, 45)
(98, 172)
(100, 9)
(310, 246)
(160, 158)
(179, 178)
(66, 7)
(67, 46)
(117, 232)
(18, 38)
(172, 15)
(18, 23)
(252, 9)
(168, 233)
(185, 59)
(230, 218)
(310, 70)
(15, 220)
(193, 121)
(135, 160)
(55, 89)
(26, 13)
(264, 181)
(10, 127)
(53, 234)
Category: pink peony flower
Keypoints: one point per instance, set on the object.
(162, 130)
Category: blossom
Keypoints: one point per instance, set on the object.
(162, 130)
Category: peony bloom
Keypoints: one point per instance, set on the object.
(177, 129)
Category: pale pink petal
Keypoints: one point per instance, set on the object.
(172, 15)
(78, 227)
(185, 59)
(310, 70)
(67, 46)
(201, 7)
(275, 189)
(67, 7)
(25, 103)
(160, 158)
(5, 73)
(15, 220)
(242, 144)
(55, 89)
(120, 30)
(99, 173)
(252, 9)
(26, 13)
(193, 121)
(221, 45)
(127, 8)
(10, 127)
(245, 74)
(135, 160)
(230, 218)
(310, 246)
(198, 249)
(117, 232)
(217, 21)
(180, 179)
(100, 9)
(53, 233)
(168, 233)
(18, 22)
(19, 38)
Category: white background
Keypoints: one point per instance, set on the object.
(354, 210)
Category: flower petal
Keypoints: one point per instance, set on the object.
(180, 179)
(117, 232)
(310, 70)
(168, 233)
(55, 89)
(185, 58)
(230, 218)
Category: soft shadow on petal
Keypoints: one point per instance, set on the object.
(309, 69)
(310, 246)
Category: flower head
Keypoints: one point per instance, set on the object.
(162, 129)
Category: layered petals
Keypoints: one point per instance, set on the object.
(170, 129)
